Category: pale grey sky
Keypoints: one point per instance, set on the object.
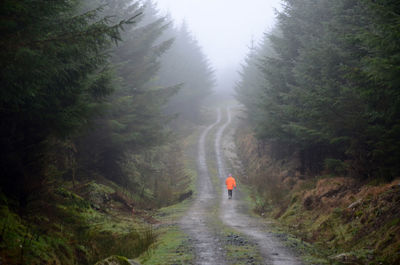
(224, 29)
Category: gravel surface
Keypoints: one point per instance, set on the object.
(235, 212)
(196, 223)
(208, 246)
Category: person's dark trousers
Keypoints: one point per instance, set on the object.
(230, 194)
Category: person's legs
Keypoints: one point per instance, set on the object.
(229, 194)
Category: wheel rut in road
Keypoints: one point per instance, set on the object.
(235, 212)
(197, 222)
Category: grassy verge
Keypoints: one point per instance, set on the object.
(329, 219)
(253, 201)
(89, 222)
(65, 228)
(173, 246)
(239, 250)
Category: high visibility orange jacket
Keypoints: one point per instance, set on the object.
(230, 183)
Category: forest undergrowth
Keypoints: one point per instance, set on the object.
(340, 219)
(320, 143)
(80, 225)
(92, 120)
(173, 246)
(88, 221)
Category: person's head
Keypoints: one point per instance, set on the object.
(230, 175)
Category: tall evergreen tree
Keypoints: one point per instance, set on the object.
(54, 77)
(248, 89)
(134, 121)
(185, 63)
(331, 89)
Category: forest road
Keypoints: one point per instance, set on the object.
(197, 221)
(235, 212)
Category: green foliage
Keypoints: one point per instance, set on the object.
(132, 244)
(28, 243)
(248, 89)
(326, 82)
(186, 64)
(134, 121)
(155, 177)
(79, 101)
(173, 248)
(54, 78)
(58, 115)
(68, 231)
(335, 166)
(114, 259)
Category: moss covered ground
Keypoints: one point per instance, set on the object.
(329, 219)
(72, 226)
(173, 246)
(91, 220)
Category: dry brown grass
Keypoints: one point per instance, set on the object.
(341, 214)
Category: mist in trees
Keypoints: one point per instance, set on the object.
(324, 83)
(54, 78)
(87, 89)
(185, 61)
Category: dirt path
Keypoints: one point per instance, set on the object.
(234, 213)
(196, 222)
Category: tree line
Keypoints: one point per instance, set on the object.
(88, 89)
(324, 83)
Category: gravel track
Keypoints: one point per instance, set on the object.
(197, 222)
(235, 212)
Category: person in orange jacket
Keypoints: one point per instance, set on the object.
(230, 184)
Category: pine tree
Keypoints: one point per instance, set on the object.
(134, 122)
(186, 64)
(54, 77)
(248, 89)
(330, 88)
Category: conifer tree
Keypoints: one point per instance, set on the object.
(54, 77)
(249, 89)
(134, 122)
(186, 64)
(331, 87)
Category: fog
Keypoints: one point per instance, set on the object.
(224, 29)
